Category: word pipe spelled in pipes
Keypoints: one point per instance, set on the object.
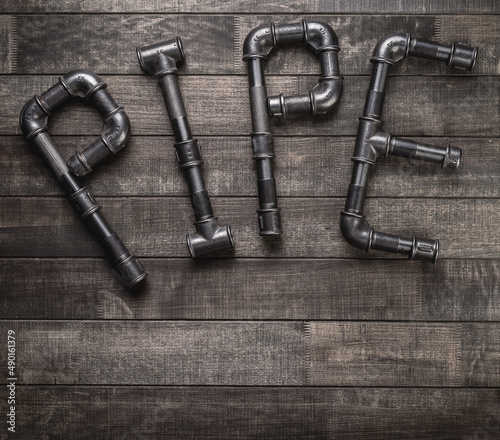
(320, 38)
(115, 134)
(160, 60)
(371, 142)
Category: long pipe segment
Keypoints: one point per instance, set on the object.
(115, 134)
(160, 60)
(320, 38)
(371, 142)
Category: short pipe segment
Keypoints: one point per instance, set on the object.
(160, 60)
(34, 123)
(371, 142)
(320, 38)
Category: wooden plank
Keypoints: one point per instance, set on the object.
(257, 353)
(403, 354)
(156, 227)
(452, 290)
(241, 6)
(480, 343)
(248, 413)
(415, 106)
(216, 289)
(8, 46)
(483, 31)
(106, 44)
(213, 44)
(158, 353)
(305, 167)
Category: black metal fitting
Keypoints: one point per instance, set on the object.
(321, 39)
(160, 60)
(371, 142)
(115, 134)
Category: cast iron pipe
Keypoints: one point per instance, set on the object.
(371, 142)
(160, 60)
(115, 134)
(320, 38)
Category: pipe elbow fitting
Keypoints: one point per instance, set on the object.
(210, 237)
(161, 59)
(114, 136)
(392, 48)
(259, 42)
(320, 36)
(356, 230)
(33, 118)
(82, 83)
(326, 95)
(116, 130)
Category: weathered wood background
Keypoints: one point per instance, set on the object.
(301, 337)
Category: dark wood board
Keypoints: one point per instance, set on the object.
(242, 6)
(30, 41)
(242, 289)
(185, 413)
(448, 102)
(305, 167)
(257, 353)
(298, 337)
(159, 352)
(156, 227)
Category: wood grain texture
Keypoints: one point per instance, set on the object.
(92, 39)
(161, 353)
(257, 353)
(304, 167)
(8, 50)
(106, 44)
(241, 6)
(448, 104)
(410, 354)
(451, 290)
(249, 413)
(482, 29)
(298, 337)
(156, 227)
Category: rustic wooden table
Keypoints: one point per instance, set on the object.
(297, 337)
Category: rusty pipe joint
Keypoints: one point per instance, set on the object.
(34, 124)
(372, 142)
